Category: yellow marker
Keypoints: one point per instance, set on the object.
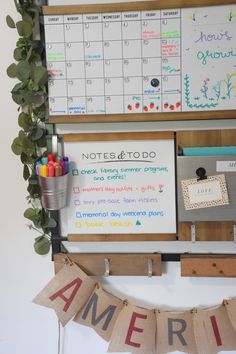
(43, 170)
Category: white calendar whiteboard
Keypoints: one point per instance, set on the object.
(121, 187)
(142, 61)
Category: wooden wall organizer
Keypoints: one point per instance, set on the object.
(208, 230)
(137, 6)
(208, 266)
(100, 264)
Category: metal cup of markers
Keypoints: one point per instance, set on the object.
(54, 191)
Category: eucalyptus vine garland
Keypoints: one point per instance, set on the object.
(30, 94)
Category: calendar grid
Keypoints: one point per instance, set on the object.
(115, 55)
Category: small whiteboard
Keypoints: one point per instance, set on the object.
(121, 184)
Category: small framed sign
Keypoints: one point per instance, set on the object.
(205, 193)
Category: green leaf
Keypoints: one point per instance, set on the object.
(28, 146)
(10, 22)
(50, 223)
(36, 134)
(27, 18)
(26, 172)
(18, 54)
(18, 98)
(26, 159)
(33, 180)
(42, 142)
(42, 245)
(40, 75)
(25, 121)
(24, 28)
(17, 87)
(23, 70)
(29, 53)
(17, 146)
(12, 70)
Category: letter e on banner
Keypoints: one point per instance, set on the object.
(134, 331)
(66, 293)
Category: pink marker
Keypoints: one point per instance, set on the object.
(63, 167)
(50, 170)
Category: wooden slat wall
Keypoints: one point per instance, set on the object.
(131, 6)
(73, 138)
(207, 231)
(120, 263)
(208, 266)
(121, 237)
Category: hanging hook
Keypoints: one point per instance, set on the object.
(150, 268)
(107, 267)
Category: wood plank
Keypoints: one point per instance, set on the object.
(140, 117)
(120, 263)
(131, 6)
(208, 266)
(207, 231)
(120, 237)
(83, 137)
(194, 138)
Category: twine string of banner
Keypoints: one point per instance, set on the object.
(129, 328)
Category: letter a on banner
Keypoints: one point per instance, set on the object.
(213, 330)
(175, 332)
(66, 293)
(134, 331)
(100, 313)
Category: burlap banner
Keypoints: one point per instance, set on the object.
(128, 328)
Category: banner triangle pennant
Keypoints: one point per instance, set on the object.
(66, 293)
(230, 306)
(100, 313)
(213, 330)
(175, 332)
(134, 331)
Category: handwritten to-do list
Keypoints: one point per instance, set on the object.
(142, 61)
(121, 187)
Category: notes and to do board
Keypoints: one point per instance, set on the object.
(163, 60)
(121, 186)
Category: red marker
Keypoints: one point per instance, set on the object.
(51, 157)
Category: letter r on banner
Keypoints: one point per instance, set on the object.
(132, 329)
(75, 284)
(179, 332)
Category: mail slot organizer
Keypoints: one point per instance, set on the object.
(211, 223)
(186, 169)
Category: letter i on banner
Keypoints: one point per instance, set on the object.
(134, 331)
(175, 332)
(100, 313)
(66, 293)
(214, 331)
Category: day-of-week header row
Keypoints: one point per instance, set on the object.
(114, 16)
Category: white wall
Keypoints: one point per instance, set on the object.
(26, 328)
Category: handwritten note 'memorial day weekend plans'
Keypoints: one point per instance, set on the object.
(121, 187)
(142, 61)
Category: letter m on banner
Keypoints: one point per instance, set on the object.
(100, 313)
